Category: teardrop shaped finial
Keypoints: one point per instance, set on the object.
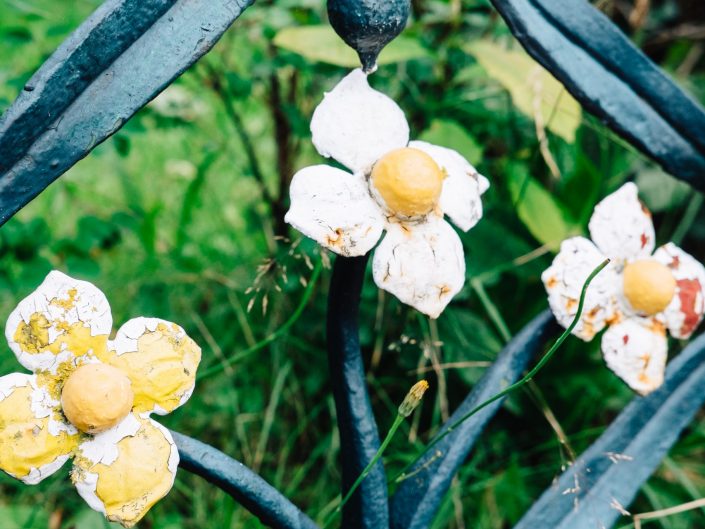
(367, 26)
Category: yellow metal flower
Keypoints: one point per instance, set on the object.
(91, 398)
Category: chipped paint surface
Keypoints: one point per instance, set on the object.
(61, 320)
(357, 125)
(335, 209)
(124, 471)
(564, 279)
(407, 182)
(422, 265)
(30, 450)
(621, 226)
(638, 296)
(159, 359)
(636, 350)
(462, 187)
(61, 332)
(685, 312)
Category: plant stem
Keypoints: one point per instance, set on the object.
(530, 375)
(395, 426)
(275, 335)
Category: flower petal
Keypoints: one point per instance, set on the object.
(34, 441)
(462, 188)
(63, 319)
(421, 264)
(564, 281)
(636, 350)
(621, 226)
(159, 359)
(356, 124)
(124, 471)
(335, 209)
(685, 312)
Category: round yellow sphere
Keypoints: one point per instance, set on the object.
(96, 397)
(409, 182)
(649, 286)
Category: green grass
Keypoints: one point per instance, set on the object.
(171, 218)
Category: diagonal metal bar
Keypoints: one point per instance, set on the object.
(613, 80)
(246, 487)
(610, 473)
(415, 503)
(359, 436)
(113, 64)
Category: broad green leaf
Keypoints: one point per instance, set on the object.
(321, 44)
(534, 91)
(543, 216)
(449, 134)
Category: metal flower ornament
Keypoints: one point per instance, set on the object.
(639, 296)
(91, 398)
(395, 185)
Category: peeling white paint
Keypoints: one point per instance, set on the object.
(422, 265)
(102, 447)
(335, 209)
(63, 301)
(356, 124)
(564, 280)
(686, 310)
(621, 226)
(462, 188)
(636, 351)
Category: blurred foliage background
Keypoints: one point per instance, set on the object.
(180, 216)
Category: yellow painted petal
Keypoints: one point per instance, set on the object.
(124, 471)
(62, 320)
(34, 441)
(160, 361)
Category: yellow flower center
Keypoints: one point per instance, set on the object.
(649, 286)
(96, 397)
(409, 182)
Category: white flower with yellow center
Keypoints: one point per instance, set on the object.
(90, 397)
(639, 295)
(399, 186)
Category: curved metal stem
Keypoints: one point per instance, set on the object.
(246, 487)
(359, 437)
(416, 501)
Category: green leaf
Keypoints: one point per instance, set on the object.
(23, 517)
(543, 216)
(534, 91)
(449, 134)
(660, 191)
(321, 44)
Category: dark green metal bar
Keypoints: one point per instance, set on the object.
(613, 80)
(118, 60)
(613, 469)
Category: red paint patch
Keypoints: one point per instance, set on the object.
(644, 240)
(675, 263)
(688, 290)
(625, 339)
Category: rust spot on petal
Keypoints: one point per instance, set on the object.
(443, 290)
(570, 304)
(644, 240)
(337, 240)
(688, 290)
(551, 282)
(625, 339)
(657, 327)
(645, 209)
(675, 263)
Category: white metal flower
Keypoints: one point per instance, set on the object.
(90, 397)
(639, 296)
(399, 186)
